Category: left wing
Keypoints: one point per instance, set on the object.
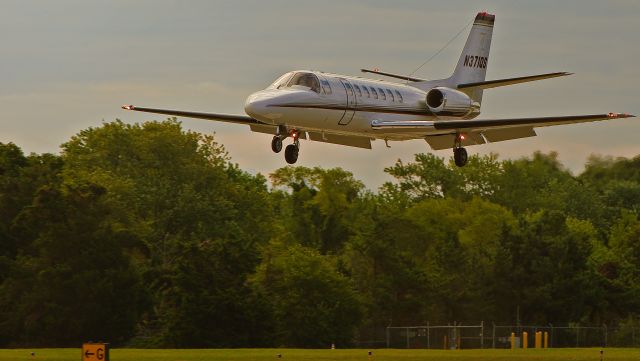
(228, 118)
(256, 126)
(482, 130)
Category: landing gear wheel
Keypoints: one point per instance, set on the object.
(460, 156)
(291, 153)
(276, 144)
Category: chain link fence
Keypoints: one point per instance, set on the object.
(461, 336)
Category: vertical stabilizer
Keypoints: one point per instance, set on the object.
(472, 65)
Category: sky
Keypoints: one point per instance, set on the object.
(69, 65)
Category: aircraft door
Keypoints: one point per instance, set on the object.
(350, 104)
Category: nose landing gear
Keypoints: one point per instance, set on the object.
(460, 156)
(292, 150)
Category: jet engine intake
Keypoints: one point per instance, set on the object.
(450, 102)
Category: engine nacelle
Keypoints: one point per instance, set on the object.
(450, 102)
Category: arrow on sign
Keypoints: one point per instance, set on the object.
(87, 354)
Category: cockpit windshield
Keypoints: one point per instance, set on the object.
(282, 81)
(307, 80)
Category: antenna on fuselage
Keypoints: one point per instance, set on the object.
(410, 78)
(391, 75)
(441, 49)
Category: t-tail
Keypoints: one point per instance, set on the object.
(472, 65)
(460, 95)
(448, 97)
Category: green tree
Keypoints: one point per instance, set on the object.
(180, 192)
(320, 207)
(312, 304)
(545, 269)
(74, 282)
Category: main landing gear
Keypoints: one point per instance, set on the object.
(459, 153)
(292, 150)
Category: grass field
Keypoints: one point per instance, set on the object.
(591, 354)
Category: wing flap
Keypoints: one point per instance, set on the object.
(348, 140)
(499, 135)
(446, 141)
(264, 128)
(228, 118)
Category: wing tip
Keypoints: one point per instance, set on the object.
(620, 115)
(128, 107)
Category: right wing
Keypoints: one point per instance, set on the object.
(482, 130)
(238, 119)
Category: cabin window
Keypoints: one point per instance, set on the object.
(374, 93)
(382, 95)
(390, 95)
(366, 91)
(399, 96)
(325, 86)
(349, 89)
(357, 88)
(308, 80)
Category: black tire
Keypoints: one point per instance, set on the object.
(460, 156)
(276, 144)
(291, 153)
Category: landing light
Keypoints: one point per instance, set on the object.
(127, 107)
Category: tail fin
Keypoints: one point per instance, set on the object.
(472, 65)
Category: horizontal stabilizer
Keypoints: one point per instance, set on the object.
(391, 75)
(511, 81)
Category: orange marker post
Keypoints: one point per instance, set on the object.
(546, 339)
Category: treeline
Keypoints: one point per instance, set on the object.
(147, 235)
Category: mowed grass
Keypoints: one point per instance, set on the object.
(586, 354)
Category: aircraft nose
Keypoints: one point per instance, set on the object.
(256, 105)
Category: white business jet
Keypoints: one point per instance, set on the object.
(353, 111)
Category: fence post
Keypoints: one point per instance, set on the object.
(408, 343)
(388, 337)
(493, 336)
(525, 340)
(513, 340)
(546, 339)
(428, 335)
(482, 334)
